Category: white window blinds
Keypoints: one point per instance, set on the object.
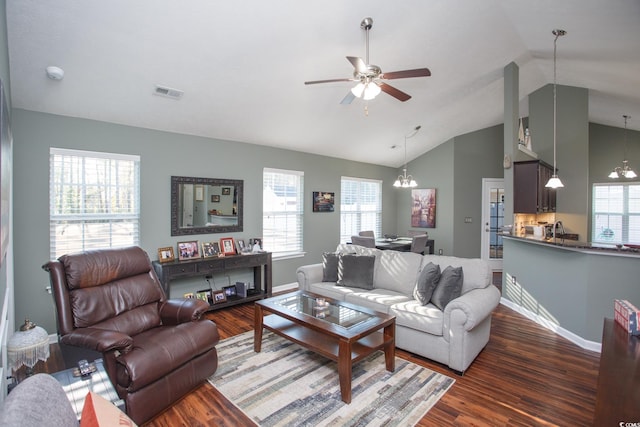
(616, 213)
(282, 211)
(360, 207)
(94, 200)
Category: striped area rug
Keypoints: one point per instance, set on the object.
(287, 385)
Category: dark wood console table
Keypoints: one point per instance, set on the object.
(618, 393)
(260, 263)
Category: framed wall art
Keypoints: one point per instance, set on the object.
(323, 201)
(423, 208)
(188, 250)
(226, 191)
(215, 198)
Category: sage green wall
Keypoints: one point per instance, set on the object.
(164, 154)
(432, 170)
(477, 155)
(572, 149)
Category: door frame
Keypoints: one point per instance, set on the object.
(487, 185)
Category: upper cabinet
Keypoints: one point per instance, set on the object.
(530, 193)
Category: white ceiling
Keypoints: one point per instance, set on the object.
(242, 64)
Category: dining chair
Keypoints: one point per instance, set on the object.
(412, 233)
(419, 243)
(367, 242)
(367, 233)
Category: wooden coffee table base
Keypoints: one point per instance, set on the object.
(345, 350)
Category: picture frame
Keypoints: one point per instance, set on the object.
(423, 208)
(204, 295)
(199, 193)
(323, 201)
(226, 191)
(215, 198)
(188, 250)
(227, 246)
(230, 291)
(218, 297)
(255, 240)
(240, 246)
(166, 254)
(189, 295)
(210, 249)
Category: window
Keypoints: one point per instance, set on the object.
(282, 211)
(360, 207)
(94, 200)
(616, 213)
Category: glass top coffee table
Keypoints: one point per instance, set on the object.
(340, 331)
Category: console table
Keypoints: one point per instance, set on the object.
(260, 263)
(618, 393)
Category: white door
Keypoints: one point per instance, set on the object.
(492, 221)
(187, 205)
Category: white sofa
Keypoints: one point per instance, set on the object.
(454, 336)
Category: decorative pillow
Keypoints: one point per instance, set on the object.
(427, 282)
(99, 412)
(330, 267)
(356, 271)
(449, 287)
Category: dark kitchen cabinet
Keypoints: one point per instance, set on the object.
(530, 193)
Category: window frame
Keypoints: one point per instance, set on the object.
(107, 187)
(627, 212)
(347, 231)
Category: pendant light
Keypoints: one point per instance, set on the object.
(404, 180)
(625, 171)
(554, 181)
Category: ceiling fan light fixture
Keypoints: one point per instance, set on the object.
(371, 90)
(357, 90)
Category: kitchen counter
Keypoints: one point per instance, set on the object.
(584, 247)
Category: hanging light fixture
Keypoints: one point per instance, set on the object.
(404, 180)
(554, 181)
(623, 171)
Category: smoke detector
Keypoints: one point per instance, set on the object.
(55, 73)
(168, 92)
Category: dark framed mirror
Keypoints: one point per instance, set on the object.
(206, 205)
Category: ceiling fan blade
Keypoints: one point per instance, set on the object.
(328, 81)
(419, 72)
(358, 64)
(396, 93)
(348, 98)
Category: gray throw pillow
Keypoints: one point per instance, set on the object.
(329, 267)
(449, 287)
(356, 271)
(427, 282)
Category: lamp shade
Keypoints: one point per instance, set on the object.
(27, 346)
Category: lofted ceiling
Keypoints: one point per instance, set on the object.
(242, 66)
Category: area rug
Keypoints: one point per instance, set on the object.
(287, 385)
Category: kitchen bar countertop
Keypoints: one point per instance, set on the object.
(585, 247)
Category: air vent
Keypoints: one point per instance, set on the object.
(168, 92)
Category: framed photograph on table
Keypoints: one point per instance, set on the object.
(188, 250)
(227, 247)
(240, 245)
(218, 297)
(166, 254)
(210, 249)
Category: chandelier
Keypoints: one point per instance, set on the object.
(623, 171)
(554, 181)
(404, 180)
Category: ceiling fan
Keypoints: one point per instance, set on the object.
(370, 77)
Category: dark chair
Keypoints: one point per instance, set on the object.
(155, 350)
(367, 233)
(419, 243)
(367, 242)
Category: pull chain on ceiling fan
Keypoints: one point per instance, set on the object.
(370, 77)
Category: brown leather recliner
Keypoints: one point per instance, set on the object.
(155, 350)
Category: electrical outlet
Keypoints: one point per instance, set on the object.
(467, 220)
(208, 276)
(439, 251)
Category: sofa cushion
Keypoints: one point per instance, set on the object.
(426, 283)
(477, 273)
(397, 271)
(376, 299)
(99, 412)
(329, 267)
(331, 290)
(424, 318)
(449, 287)
(356, 271)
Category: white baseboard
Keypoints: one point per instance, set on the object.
(576, 339)
(284, 288)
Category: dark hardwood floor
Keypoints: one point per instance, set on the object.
(527, 375)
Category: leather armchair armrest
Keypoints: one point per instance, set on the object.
(100, 340)
(176, 311)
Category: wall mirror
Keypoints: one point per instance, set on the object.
(205, 205)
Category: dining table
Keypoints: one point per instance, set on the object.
(402, 244)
